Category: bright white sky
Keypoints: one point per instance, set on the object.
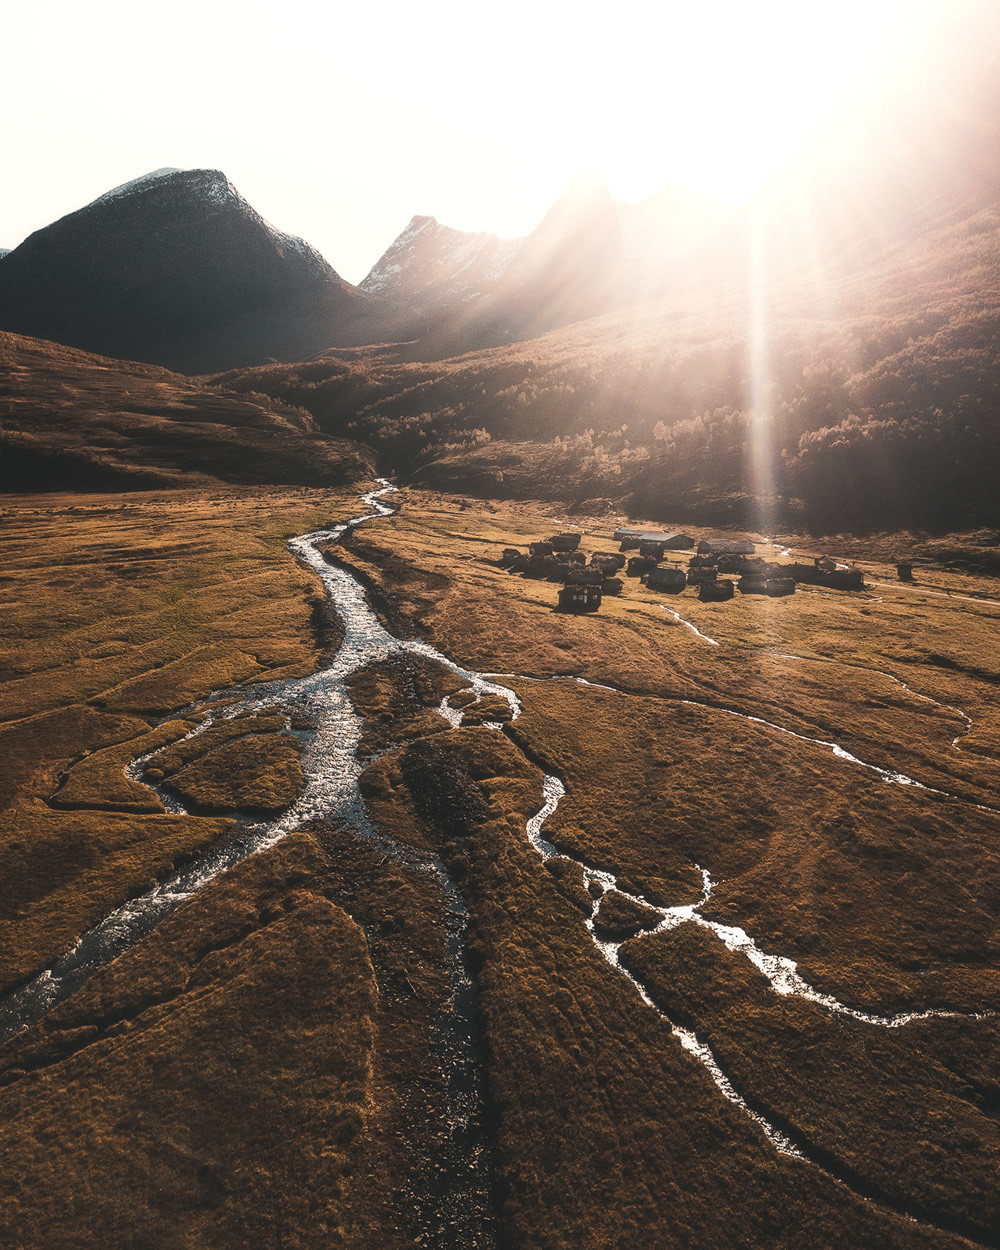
(339, 121)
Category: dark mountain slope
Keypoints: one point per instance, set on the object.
(177, 269)
(73, 421)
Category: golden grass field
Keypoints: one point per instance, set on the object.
(262, 1069)
(117, 613)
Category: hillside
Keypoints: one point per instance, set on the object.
(74, 421)
(873, 400)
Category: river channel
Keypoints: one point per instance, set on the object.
(332, 768)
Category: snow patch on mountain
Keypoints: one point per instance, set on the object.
(136, 184)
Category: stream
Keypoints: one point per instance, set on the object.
(332, 768)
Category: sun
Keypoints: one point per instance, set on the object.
(715, 96)
(711, 96)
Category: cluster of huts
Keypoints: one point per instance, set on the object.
(559, 559)
(727, 556)
(584, 583)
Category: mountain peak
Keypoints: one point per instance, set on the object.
(430, 264)
(176, 268)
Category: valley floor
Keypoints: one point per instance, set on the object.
(674, 924)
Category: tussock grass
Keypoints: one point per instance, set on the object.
(75, 421)
(883, 1102)
(116, 613)
(605, 1130)
(865, 883)
(157, 1103)
(316, 1049)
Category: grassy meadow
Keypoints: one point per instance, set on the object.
(119, 615)
(266, 1068)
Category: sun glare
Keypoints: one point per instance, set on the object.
(480, 116)
(711, 96)
(715, 96)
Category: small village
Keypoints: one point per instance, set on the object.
(717, 568)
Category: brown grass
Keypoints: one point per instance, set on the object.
(155, 1107)
(865, 883)
(398, 700)
(116, 613)
(618, 917)
(255, 773)
(878, 1100)
(322, 1114)
(75, 421)
(606, 1132)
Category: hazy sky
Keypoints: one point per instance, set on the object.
(339, 122)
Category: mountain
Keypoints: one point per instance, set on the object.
(907, 156)
(73, 421)
(587, 254)
(430, 265)
(862, 395)
(569, 268)
(454, 291)
(175, 268)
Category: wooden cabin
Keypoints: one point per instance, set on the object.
(541, 567)
(613, 558)
(725, 547)
(778, 586)
(565, 542)
(541, 549)
(845, 579)
(627, 533)
(904, 571)
(651, 548)
(579, 598)
(740, 564)
(612, 586)
(584, 577)
(812, 575)
(665, 578)
(752, 584)
(715, 592)
(639, 566)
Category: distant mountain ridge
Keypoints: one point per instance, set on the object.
(176, 268)
(430, 265)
